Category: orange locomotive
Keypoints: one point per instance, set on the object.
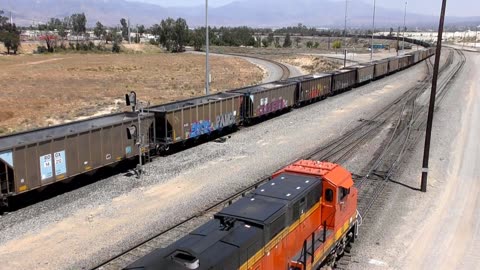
(304, 218)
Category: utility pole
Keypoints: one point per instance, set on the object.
(373, 29)
(404, 27)
(431, 108)
(207, 65)
(11, 18)
(129, 39)
(476, 35)
(398, 40)
(345, 35)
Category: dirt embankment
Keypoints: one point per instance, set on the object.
(42, 90)
(310, 64)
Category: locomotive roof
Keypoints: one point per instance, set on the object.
(191, 102)
(287, 186)
(269, 199)
(59, 131)
(208, 245)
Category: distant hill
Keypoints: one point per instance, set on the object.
(268, 13)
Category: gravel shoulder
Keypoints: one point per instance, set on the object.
(439, 229)
(81, 228)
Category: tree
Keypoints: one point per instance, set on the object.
(124, 24)
(79, 23)
(50, 41)
(277, 42)
(99, 30)
(198, 38)
(265, 43)
(337, 44)
(167, 33)
(141, 29)
(288, 41)
(270, 38)
(9, 34)
(391, 32)
(180, 35)
(298, 40)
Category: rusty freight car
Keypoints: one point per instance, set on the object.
(381, 69)
(312, 87)
(183, 120)
(365, 72)
(404, 61)
(393, 65)
(265, 99)
(37, 158)
(343, 80)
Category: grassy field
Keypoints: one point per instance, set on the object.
(42, 90)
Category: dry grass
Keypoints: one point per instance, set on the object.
(40, 90)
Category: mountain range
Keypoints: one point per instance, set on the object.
(256, 13)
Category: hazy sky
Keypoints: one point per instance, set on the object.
(428, 7)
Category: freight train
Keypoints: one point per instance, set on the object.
(305, 217)
(35, 159)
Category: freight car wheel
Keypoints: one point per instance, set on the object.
(3, 204)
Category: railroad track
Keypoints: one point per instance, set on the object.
(285, 69)
(409, 130)
(168, 235)
(336, 151)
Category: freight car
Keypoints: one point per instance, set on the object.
(381, 69)
(343, 80)
(181, 121)
(303, 218)
(312, 87)
(265, 99)
(404, 61)
(34, 159)
(364, 73)
(393, 64)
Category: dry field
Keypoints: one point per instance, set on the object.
(42, 90)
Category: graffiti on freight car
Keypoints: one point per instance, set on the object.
(314, 93)
(273, 106)
(199, 128)
(226, 120)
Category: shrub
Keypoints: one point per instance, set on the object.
(115, 47)
(42, 49)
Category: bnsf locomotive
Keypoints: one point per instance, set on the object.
(304, 218)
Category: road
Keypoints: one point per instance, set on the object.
(439, 229)
(272, 72)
